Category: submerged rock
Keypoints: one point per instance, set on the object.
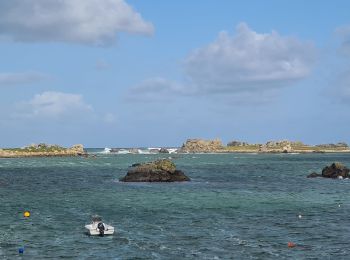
(314, 175)
(157, 171)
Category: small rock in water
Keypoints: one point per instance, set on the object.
(335, 171)
(158, 171)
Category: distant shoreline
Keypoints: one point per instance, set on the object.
(191, 146)
(283, 146)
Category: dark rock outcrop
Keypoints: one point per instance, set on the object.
(163, 150)
(335, 170)
(157, 171)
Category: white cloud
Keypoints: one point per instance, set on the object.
(9, 79)
(92, 22)
(248, 60)
(54, 105)
(245, 65)
(157, 89)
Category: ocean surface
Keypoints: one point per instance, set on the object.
(237, 206)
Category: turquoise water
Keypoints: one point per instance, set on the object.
(237, 206)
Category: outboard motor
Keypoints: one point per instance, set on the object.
(101, 229)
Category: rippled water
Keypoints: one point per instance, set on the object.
(237, 206)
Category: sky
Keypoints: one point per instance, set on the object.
(131, 73)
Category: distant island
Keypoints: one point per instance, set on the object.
(42, 150)
(283, 146)
(216, 146)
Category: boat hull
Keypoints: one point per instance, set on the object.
(92, 230)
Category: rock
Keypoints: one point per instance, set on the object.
(157, 171)
(287, 148)
(78, 148)
(134, 150)
(314, 175)
(135, 164)
(263, 148)
(163, 150)
(283, 146)
(335, 170)
(201, 146)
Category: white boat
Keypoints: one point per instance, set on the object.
(98, 228)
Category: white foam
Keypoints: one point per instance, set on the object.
(123, 151)
(106, 150)
(143, 151)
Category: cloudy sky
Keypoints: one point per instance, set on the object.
(116, 73)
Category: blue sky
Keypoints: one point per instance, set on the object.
(154, 73)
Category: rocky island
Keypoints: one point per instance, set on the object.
(202, 146)
(42, 150)
(283, 146)
(158, 171)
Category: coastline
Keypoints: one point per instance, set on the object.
(191, 146)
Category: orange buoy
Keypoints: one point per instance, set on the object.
(291, 245)
(26, 214)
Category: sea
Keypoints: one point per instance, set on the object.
(236, 206)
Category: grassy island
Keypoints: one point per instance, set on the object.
(42, 150)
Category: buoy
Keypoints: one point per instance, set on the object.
(291, 244)
(26, 214)
(300, 216)
(21, 250)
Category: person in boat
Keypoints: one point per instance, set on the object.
(97, 220)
